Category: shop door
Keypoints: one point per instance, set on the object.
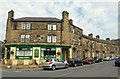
(66, 55)
(63, 55)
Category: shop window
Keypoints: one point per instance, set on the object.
(24, 52)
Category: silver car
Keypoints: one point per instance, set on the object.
(54, 63)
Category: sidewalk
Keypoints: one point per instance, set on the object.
(25, 69)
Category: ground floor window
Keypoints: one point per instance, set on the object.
(48, 52)
(23, 53)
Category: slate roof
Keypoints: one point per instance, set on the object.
(37, 19)
(100, 40)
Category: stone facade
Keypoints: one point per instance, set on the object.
(69, 41)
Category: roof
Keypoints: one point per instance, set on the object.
(100, 40)
(37, 19)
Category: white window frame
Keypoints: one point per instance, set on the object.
(27, 38)
(28, 26)
(79, 41)
(54, 27)
(23, 26)
(49, 27)
(49, 38)
(54, 38)
(22, 38)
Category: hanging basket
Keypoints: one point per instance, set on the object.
(11, 52)
(58, 53)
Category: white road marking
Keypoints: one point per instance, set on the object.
(63, 75)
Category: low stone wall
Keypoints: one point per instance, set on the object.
(22, 63)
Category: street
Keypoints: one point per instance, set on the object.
(103, 69)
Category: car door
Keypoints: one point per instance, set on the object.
(62, 64)
(56, 63)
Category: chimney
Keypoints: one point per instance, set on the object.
(65, 21)
(71, 21)
(11, 14)
(108, 39)
(97, 36)
(90, 35)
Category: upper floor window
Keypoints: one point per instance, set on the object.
(78, 32)
(25, 26)
(25, 38)
(22, 38)
(73, 31)
(49, 27)
(54, 27)
(51, 38)
(54, 38)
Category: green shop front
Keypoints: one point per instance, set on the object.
(29, 52)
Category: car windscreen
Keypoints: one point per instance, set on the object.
(48, 60)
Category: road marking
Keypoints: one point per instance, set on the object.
(63, 75)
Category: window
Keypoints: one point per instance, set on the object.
(49, 38)
(49, 27)
(54, 38)
(54, 27)
(79, 42)
(73, 31)
(78, 32)
(23, 26)
(22, 52)
(25, 38)
(27, 26)
(22, 38)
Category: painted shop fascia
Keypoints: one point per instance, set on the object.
(29, 52)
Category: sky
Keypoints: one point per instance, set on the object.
(99, 17)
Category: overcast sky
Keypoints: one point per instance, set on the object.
(95, 16)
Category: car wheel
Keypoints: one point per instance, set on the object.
(66, 66)
(53, 68)
(81, 64)
(90, 62)
(75, 65)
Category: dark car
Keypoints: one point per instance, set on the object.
(75, 62)
(97, 60)
(117, 62)
(88, 60)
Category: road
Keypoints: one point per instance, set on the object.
(103, 69)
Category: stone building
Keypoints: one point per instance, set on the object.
(39, 38)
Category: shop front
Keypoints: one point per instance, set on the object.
(29, 52)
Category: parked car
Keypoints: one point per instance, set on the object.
(112, 57)
(88, 60)
(107, 58)
(117, 62)
(97, 60)
(75, 62)
(53, 63)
